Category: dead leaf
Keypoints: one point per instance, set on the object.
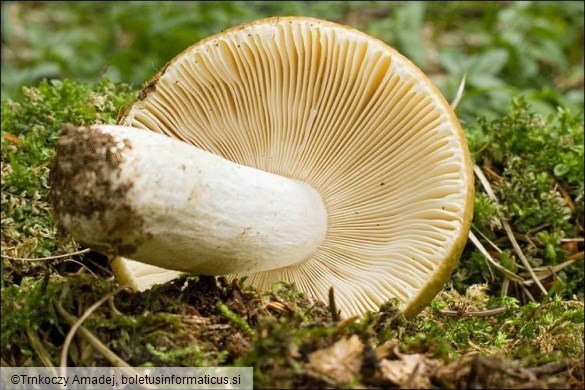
(341, 361)
(410, 371)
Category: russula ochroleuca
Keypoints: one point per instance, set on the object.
(287, 149)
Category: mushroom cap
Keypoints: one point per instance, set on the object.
(331, 106)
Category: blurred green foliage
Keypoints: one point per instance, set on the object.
(505, 48)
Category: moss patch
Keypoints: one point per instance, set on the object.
(292, 341)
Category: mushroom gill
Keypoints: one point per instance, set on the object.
(327, 105)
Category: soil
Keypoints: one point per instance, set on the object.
(85, 190)
(291, 340)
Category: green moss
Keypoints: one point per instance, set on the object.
(535, 155)
(30, 305)
(196, 356)
(282, 349)
(157, 334)
(530, 199)
(535, 167)
(553, 145)
(533, 334)
(487, 214)
(30, 129)
(230, 315)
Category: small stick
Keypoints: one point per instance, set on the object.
(347, 322)
(12, 138)
(523, 258)
(493, 174)
(76, 326)
(83, 266)
(549, 369)
(577, 239)
(527, 292)
(110, 356)
(566, 197)
(505, 288)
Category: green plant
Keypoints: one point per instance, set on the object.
(535, 166)
(29, 132)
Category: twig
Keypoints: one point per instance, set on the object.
(107, 353)
(505, 288)
(482, 313)
(549, 270)
(566, 197)
(347, 322)
(537, 229)
(105, 270)
(46, 258)
(484, 182)
(275, 305)
(577, 239)
(497, 178)
(550, 369)
(12, 138)
(527, 292)
(83, 266)
(115, 312)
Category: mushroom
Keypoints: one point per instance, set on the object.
(285, 149)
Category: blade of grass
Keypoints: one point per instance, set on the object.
(509, 274)
(37, 345)
(459, 93)
(48, 257)
(76, 326)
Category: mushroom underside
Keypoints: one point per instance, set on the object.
(325, 105)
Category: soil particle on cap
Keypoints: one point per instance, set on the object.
(85, 189)
(149, 88)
